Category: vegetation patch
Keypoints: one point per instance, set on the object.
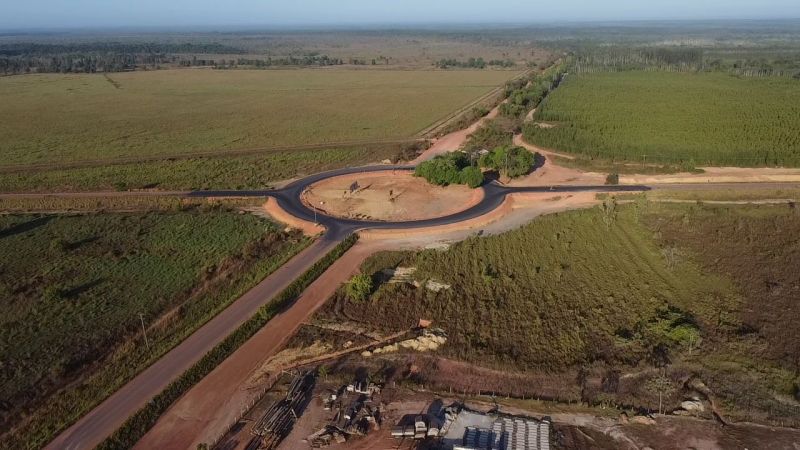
(126, 203)
(494, 133)
(674, 118)
(635, 303)
(509, 161)
(450, 168)
(72, 332)
(49, 118)
(233, 172)
(528, 96)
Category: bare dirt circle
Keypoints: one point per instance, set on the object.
(391, 196)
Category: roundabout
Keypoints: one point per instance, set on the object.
(291, 200)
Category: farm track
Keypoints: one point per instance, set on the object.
(438, 125)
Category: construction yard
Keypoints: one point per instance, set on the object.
(379, 403)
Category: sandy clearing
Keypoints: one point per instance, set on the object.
(517, 210)
(394, 196)
(274, 210)
(466, 225)
(519, 140)
(719, 175)
(529, 116)
(552, 174)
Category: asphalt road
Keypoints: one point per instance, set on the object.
(104, 419)
(338, 228)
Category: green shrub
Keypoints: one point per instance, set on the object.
(510, 161)
(359, 287)
(494, 133)
(450, 168)
(472, 177)
(612, 178)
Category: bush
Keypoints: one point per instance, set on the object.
(494, 133)
(612, 178)
(472, 177)
(450, 168)
(359, 287)
(510, 161)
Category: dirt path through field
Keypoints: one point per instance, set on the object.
(719, 175)
(456, 139)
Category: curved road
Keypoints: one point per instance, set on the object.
(109, 415)
(289, 198)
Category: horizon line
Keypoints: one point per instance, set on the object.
(382, 25)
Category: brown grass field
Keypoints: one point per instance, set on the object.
(53, 118)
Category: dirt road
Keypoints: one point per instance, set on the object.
(207, 410)
(104, 419)
(456, 139)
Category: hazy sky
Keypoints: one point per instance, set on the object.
(20, 14)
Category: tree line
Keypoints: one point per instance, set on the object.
(122, 62)
(620, 59)
(473, 63)
(23, 58)
(524, 98)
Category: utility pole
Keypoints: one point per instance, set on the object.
(144, 331)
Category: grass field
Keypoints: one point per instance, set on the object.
(660, 117)
(61, 118)
(612, 297)
(72, 304)
(233, 172)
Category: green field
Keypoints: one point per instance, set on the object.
(661, 117)
(72, 304)
(618, 295)
(232, 172)
(62, 118)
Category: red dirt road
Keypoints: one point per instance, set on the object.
(208, 409)
(107, 417)
(456, 139)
